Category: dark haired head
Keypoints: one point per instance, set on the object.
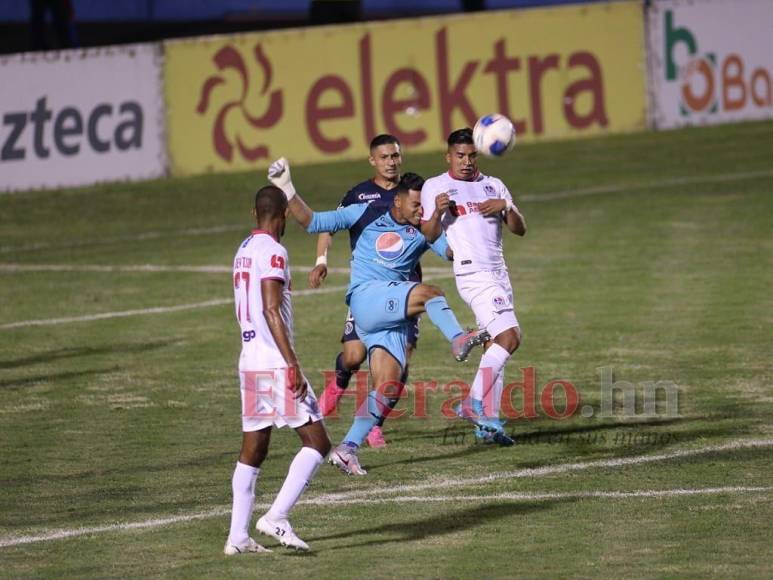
(461, 137)
(384, 139)
(411, 181)
(270, 203)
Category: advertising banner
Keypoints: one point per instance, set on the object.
(81, 116)
(711, 61)
(235, 102)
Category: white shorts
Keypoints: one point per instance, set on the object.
(490, 296)
(267, 402)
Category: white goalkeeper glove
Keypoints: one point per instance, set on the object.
(279, 175)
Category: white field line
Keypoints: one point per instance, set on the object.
(178, 308)
(515, 496)
(527, 197)
(151, 268)
(543, 496)
(556, 469)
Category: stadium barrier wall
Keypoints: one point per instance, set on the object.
(710, 62)
(320, 94)
(79, 117)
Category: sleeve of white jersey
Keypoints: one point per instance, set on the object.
(504, 193)
(428, 194)
(273, 265)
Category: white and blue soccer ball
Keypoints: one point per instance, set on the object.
(494, 135)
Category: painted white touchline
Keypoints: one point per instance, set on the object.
(16, 267)
(537, 496)
(529, 197)
(514, 496)
(723, 177)
(556, 469)
(122, 314)
(87, 531)
(178, 308)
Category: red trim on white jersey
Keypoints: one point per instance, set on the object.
(256, 232)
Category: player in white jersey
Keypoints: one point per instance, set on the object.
(274, 390)
(471, 208)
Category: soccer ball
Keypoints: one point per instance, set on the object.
(494, 135)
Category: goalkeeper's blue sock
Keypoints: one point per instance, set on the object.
(369, 413)
(443, 317)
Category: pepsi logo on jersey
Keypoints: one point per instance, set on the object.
(389, 246)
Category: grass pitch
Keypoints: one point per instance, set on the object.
(647, 254)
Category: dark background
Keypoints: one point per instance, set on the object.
(72, 23)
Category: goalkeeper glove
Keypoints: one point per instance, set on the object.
(279, 175)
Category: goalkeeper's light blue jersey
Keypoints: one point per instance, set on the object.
(383, 248)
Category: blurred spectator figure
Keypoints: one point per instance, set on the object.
(62, 16)
(334, 11)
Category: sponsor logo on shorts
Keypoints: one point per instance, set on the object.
(501, 301)
(389, 246)
(348, 328)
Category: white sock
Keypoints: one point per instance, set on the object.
(243, 485)
(302, 470)
(491, 365)
(493, 403)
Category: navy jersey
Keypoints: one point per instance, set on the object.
(367, 192)
(383, 248)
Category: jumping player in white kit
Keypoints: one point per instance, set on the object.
(274, 390)
(470, 208)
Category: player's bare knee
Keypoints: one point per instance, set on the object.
(510, 340)
(253, 457)
(322, 446)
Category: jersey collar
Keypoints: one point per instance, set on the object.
(256, 232)
(475, 177)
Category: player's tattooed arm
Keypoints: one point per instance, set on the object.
(271, 294)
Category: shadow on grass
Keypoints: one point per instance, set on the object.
(616, 440)
(63, 353)
(465, 452)
(439, 525)
(54, 377)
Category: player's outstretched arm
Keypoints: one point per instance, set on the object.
(271, 295)
(279, 175)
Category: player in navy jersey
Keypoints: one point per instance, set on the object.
(385, 158)
(387, 247)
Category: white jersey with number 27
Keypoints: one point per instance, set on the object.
(260, 257)
(475, 240)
